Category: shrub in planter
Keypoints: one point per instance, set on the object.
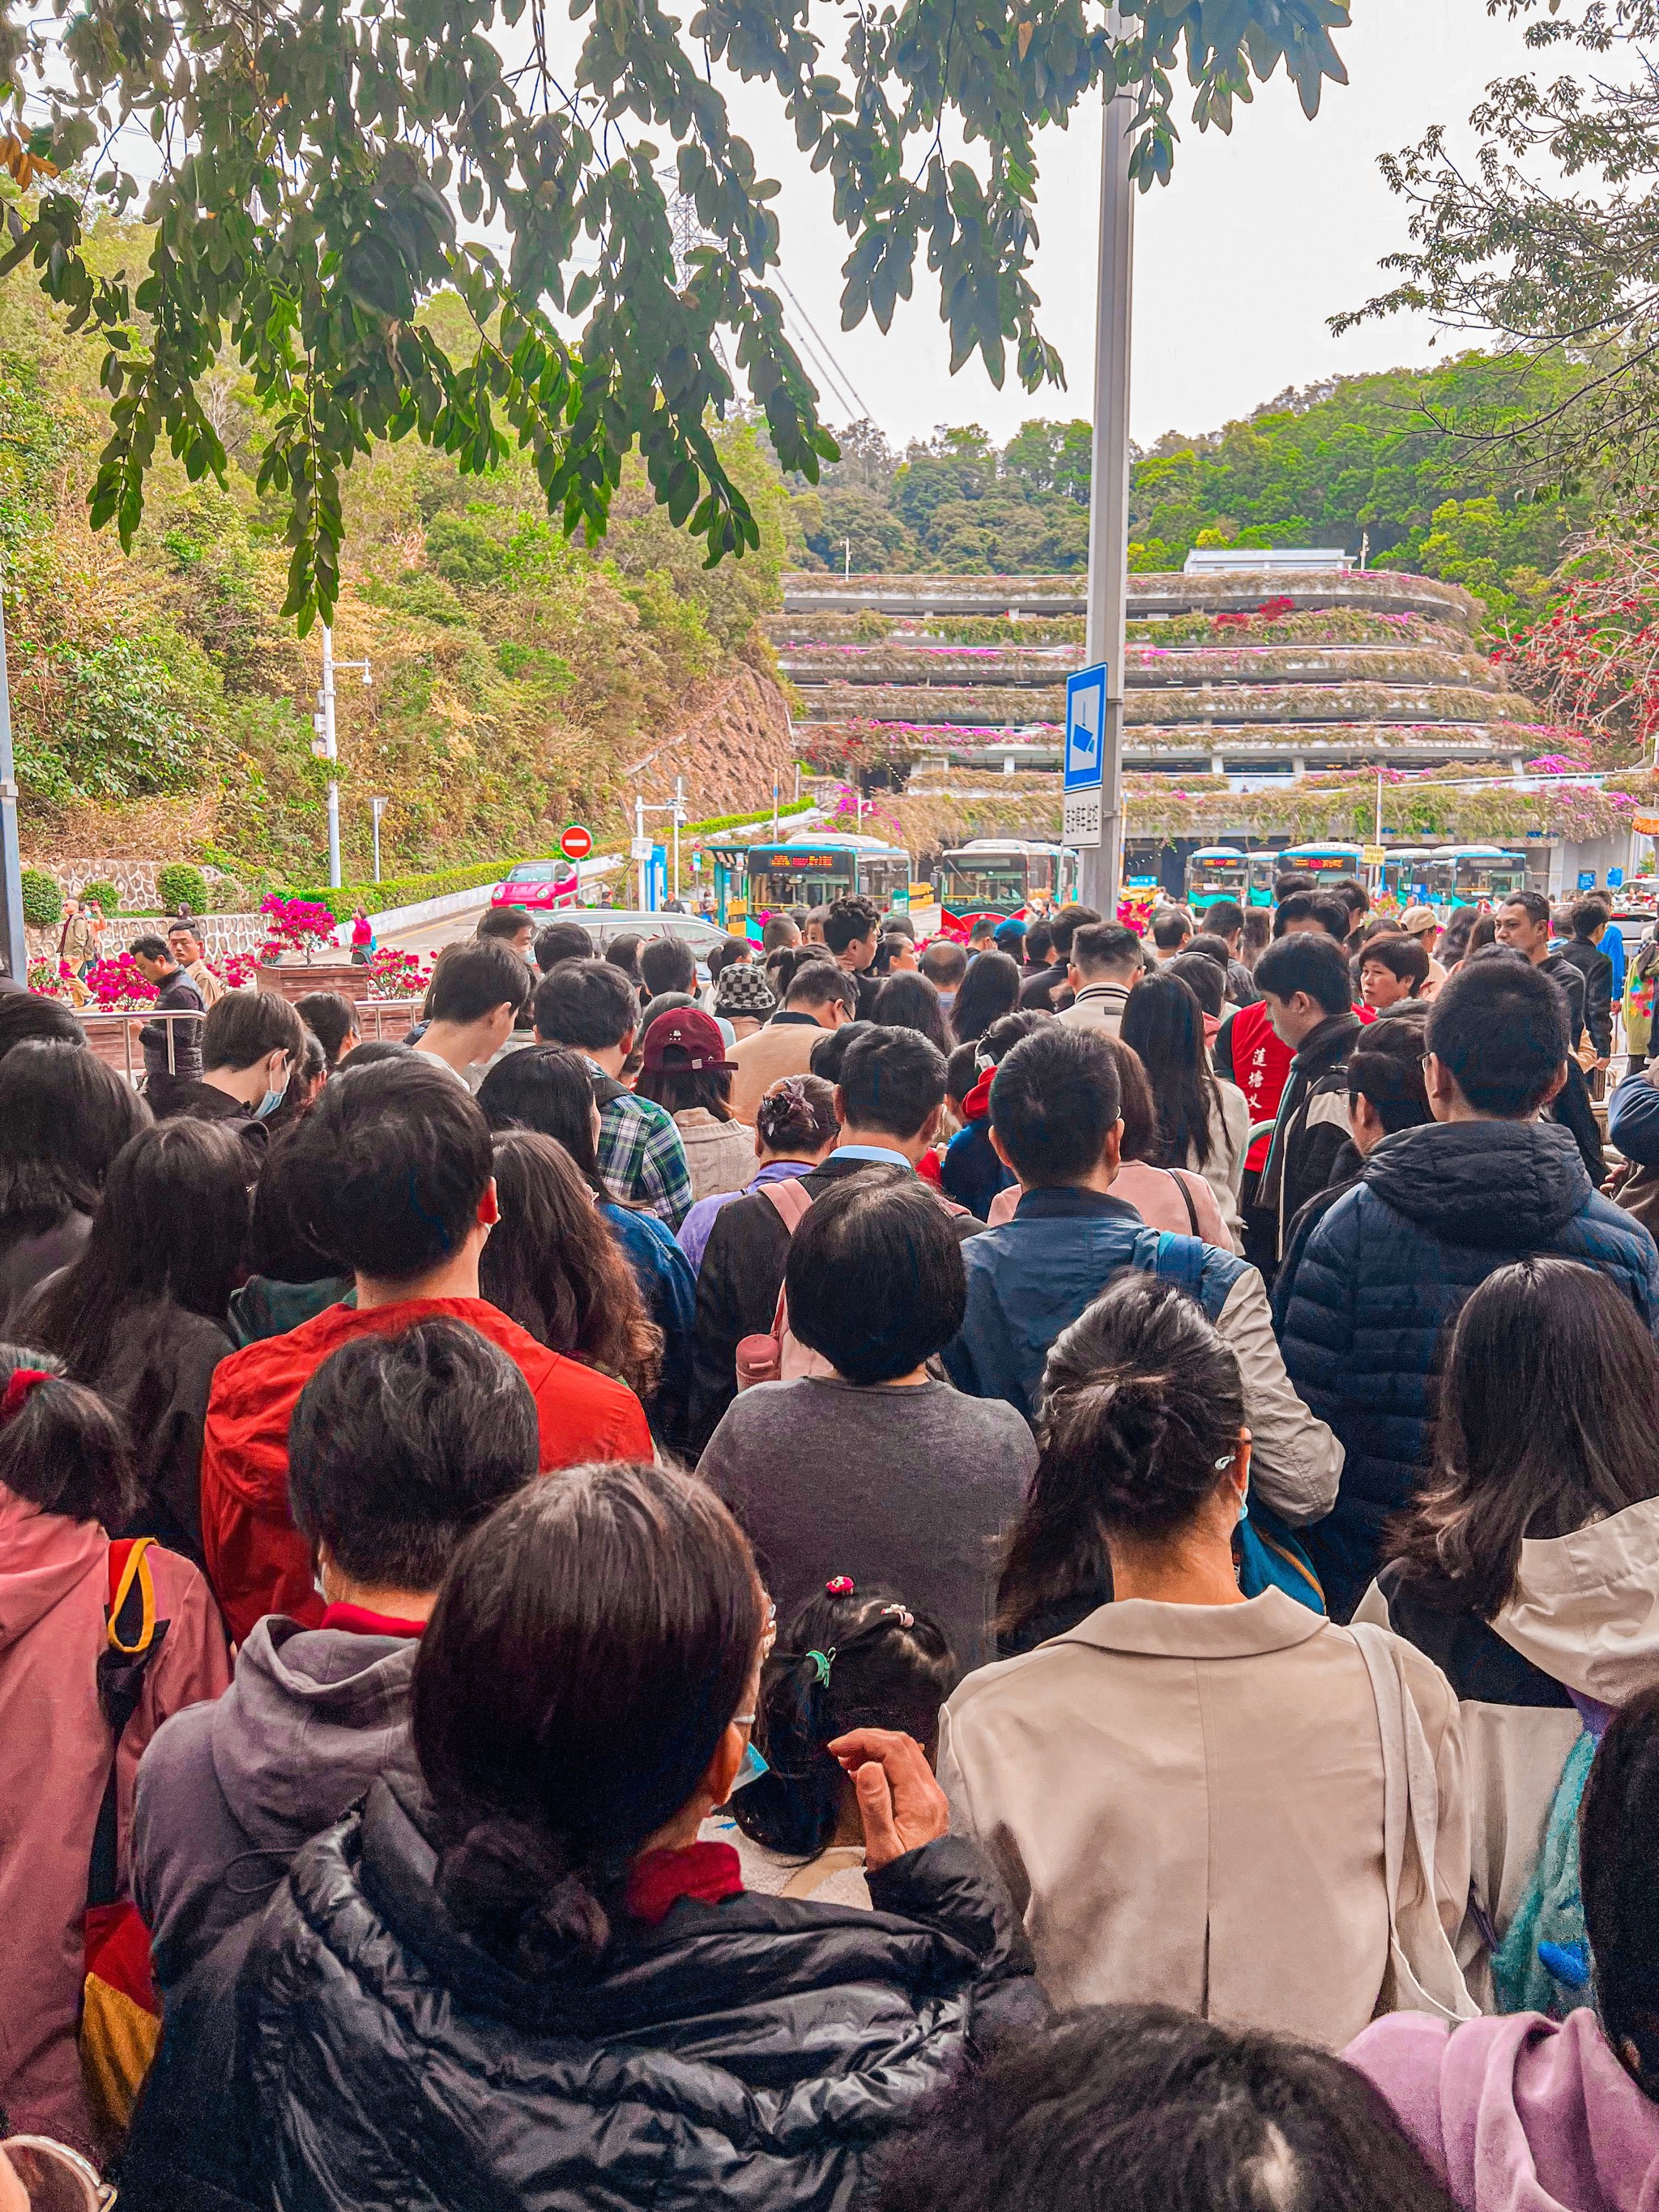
(180, 884)
(106, 893)
(43, 903)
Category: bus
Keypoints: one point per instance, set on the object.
(1002, 876)
(809, 870)
(1217, 871)
(1405, 876)
(1473, 875)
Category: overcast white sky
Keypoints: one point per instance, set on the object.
(1239, 260)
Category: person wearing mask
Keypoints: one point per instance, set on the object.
(1106, 964)
(1141, 2108)
(1223, 919)
(1045, 991)
(401, 1445)
(588, 1008)
(393, 1175)
(744, 998)
(66, 1481)
(868, 1462)
(1171, 932)
(141, 1315)
(988, 992)
(688, 1074)
(1523, 924)
(331, 1019)
(1202, 1123)
(944, 966)
(1436, 1211)
(1422, 925)
(1188, 1789)
(250, 1044)
(1304, 986)
(853, 1655)
(514, 926)
(305, 1083)
(63, 1119)
(1056, 1108)
(851, 928)
(579, 1950)
(472, 1002)
(911, 1002)
(971, 1173)
(185, 944)
(795, 1131)
(890, 1094)
(1587, 921)
(1559, 2115)
(820, 996)
(172, 1049)
(1394, 971)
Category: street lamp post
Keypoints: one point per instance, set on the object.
(324, 746)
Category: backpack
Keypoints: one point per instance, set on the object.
(120, 2015)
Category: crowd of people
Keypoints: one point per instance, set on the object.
(871, 1575)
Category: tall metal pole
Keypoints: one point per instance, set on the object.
(679, 816)
(1109, 494)
(331, 754)
(14, 945)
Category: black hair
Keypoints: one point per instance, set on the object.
(943, 963)
(65, 1449)
(1533, 904)
(561, 940)
(389, 1169)
(1618, 1824)
(1499, 1029)
(829, 1050)
(1207, 945)
(1001, 1038)
(1316, 966)
(1055, 1102)
(668, 964)
(1098, 946)
(730, 952)
(1140, 1414)
(1223, 918)
(471, 980)
(910, 1002)
(1142, 1138)
(26, 1018)
(1290, 883)
(1586, 917)
(961, 1072)
(814, 981)
(590, 1645)
(780, 932)
(306, 1078)
(624, 952)
(63, 1117)
(900, 924)
(889, 1667)
(151, 947)
(543, 1086)
(984, 926)
(501, 924)
(1548, 1420)
(1204, 977)
(246, 1026)
(1405, 958)
(874, 1276)
(1039, 945)
(678, 1088)
(1164, 1025)
(989, 990)
(399, 1444)
(1326, 913)
(890, 1080)
(1170, 926)
(796, 1115)
(1455, 937)
(331, 1019)
(1353, 894)
(1141, 2108)
(1386, 1068)
(276, 1247)
(848, 921)
(587, 1004)
(1064, 924)
(373, 1051)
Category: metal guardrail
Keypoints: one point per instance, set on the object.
(113, 1036)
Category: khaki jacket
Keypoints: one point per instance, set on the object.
(780, 1049)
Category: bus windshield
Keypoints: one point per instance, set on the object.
(807, 874)
(984, 880)
(1217, 873)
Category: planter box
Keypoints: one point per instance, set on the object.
(299, 980)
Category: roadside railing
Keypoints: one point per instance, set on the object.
(114, 1036)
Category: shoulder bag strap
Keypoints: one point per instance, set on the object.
(1180, 1183)
(791, 1203)
(132, 1636)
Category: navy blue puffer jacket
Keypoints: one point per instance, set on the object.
(1436, 1212)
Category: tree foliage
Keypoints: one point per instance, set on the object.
(1594, 660)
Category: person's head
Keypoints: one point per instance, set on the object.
(1056, 1107)
(1105, 953)
(831, 1050)
(589, 1005)
(1163, 1025)
(1454, 938)
(1289, 881)
(982, 935)
(514, 926)
(1139, 1136)
(826, 992)
(551, 1264)
(276, 1247)
(1497, 1041)
(1207, 945)
(1315, 911)
(1203, 978)
(1141, 2108)
(1225, 917)
(63, 1118)
(1353, 896)
(624, 952)
(910, 1002)
(743, 995)
(1385, 1089)
(393, 1172)
(891, 1087)
(779, 933)
(62, 1447)
(1039, 947)
(1393, 970)
(1423, 923)
(1586, 920)
(333, 1020)
(1523, 923)
(26, 1018)
(730, 952)
(1617, 1823)
(1064, 923)
(898, 925)
(252, 1042)
(850, 930)
(151, 958)
(685, 1064)
(895, 955)
(989, 991)
(561, 940)
(796, 1120)
(479, 988)
(1009, 937)
(305, 1079)
(879, 1285)
(543, 1087)
(668, 964)
(584, 1684)
(1172, 928)
(399, 1446)
(372, 1052)
(1256, 936)
(1303, 982)
(848, 1659)
(183, 943)
(811, 924)
(943, 963)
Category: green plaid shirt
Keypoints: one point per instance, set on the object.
(642, 1158)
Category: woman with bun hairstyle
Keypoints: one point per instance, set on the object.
(1187, 1790)
(65, 1479)
(795, 1131)
(530, 1985)
(851, 1658)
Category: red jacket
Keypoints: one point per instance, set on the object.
(1260, 1065)
(257, 1560)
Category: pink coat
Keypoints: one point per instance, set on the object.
(54, 1767)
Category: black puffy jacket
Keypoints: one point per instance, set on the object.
(754, 2054)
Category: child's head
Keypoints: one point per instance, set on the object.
(61, 1447)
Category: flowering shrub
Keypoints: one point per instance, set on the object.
(1594, 661)
(239, 970)
(115, 987)
(295, 926)
(50, 979)
(1133, 911)
(394, 974)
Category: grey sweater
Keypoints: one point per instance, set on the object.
(906, 1487)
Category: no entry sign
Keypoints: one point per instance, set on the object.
(576, 843)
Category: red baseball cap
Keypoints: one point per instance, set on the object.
(685, 1037)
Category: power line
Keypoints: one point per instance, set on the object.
(849, 390)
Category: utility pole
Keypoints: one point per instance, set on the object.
(679, 817)
(324, 746)
(1109, 487)
(377, 808)
(11, 865)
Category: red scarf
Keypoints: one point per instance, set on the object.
(656, 1883)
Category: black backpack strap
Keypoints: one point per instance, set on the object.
(132, 1637)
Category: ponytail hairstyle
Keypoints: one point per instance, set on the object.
(61, 1447)
(796, 1115)
(592, 1642)
(1138, 1423)
(849, 1659)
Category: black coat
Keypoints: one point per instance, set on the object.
(1597, 969)
(755, 2054)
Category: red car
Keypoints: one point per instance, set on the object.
(538, 885)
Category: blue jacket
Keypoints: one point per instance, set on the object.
(1434, 1214)
(670, 1292)
(972, 1175)
(1633, 1119)
(1031, 1278)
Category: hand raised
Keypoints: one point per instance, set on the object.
(901, 1804)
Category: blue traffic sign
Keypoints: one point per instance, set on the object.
(1085, 725)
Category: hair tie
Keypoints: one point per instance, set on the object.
(19, 1385)
(902, 1614)
(822, 1662)
(839, 1586)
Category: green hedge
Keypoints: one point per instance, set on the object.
(43, 903)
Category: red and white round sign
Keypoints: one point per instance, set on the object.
(576, 843)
